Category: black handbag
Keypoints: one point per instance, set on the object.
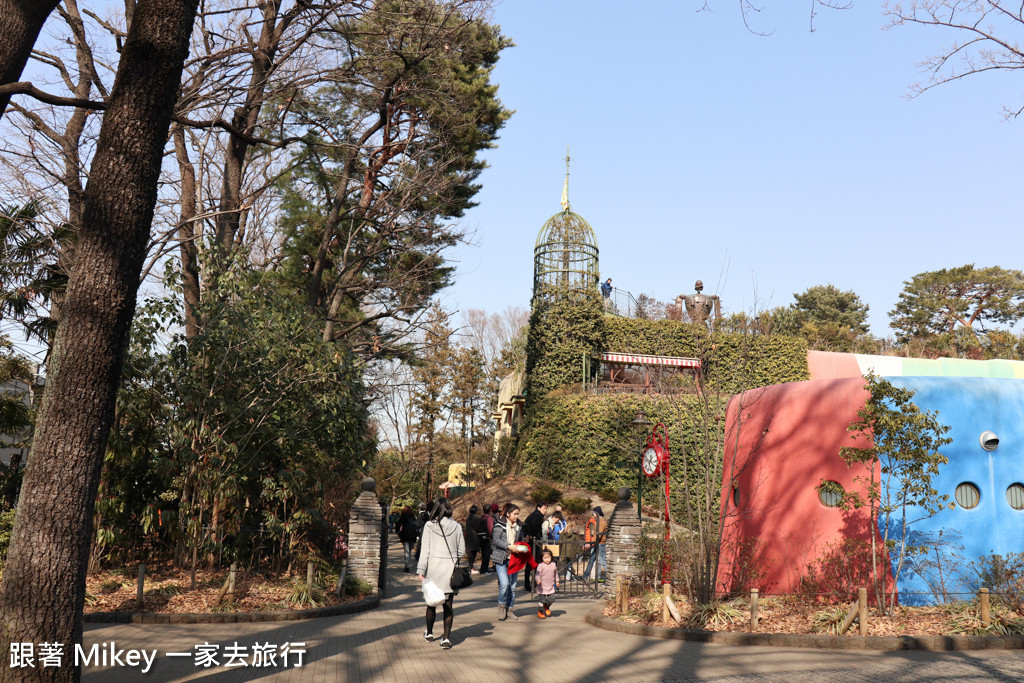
(461, 577)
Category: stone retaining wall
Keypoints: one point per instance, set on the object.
(624, 531)
(364, 536)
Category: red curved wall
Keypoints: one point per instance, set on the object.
(780, 442)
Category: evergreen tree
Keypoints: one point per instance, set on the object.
(934, 305)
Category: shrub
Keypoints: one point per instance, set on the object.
(576, 506)
(609, 493)
(970, 624)
(1004, 576)
(356, 586)
(715, 615)
(748, 568)
(545, 495)
(649, 556)
(829, 620)
(841, 568)
(304, 595)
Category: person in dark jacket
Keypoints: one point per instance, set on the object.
(483, 525)
(421, 520)
(532, 528)
(507, 531)
(472, 539)
(408, 532)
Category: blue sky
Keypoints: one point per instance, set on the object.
(762, 165)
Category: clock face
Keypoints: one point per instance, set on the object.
(650, 462)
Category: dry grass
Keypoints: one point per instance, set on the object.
(798, 616)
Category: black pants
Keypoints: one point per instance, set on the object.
(449, 616)
(527, 572)
(471, 554)
(485, 556)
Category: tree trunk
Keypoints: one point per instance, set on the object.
(20, 23)
(187, 234)
(211, 557)
(43, 591)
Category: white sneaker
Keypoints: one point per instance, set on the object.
(446, 644)
(473, 571)
(428, 636)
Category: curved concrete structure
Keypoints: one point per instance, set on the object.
(783, 441)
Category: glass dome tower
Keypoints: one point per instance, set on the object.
(565, 257)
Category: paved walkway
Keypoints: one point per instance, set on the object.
(386, 645)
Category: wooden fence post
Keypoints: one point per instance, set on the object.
(985, 616)
(309, 578)
(753, 609)
(862, 603)
(667, 591)
(625, 595)
(141, 587)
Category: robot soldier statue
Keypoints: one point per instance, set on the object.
(699, 306)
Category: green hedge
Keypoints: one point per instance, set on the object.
(562, 330)
(734, 362)
(588, 440)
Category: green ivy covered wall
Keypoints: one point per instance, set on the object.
(586, 439)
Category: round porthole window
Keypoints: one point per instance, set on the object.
(967, 496)
(1015, 496)
(830, 493)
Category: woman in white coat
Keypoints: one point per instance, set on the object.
(441, 548)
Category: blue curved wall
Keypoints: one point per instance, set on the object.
(969, 406)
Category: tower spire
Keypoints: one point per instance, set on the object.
(565, 187)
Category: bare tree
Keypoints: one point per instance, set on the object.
(985, 38)
(492, 333)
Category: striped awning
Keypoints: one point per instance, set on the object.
(638, 359)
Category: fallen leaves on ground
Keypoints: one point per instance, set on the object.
(796, 615)
(167, 589)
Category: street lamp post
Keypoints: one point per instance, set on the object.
(640, 425)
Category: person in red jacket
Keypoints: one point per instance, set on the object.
(510, 554)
